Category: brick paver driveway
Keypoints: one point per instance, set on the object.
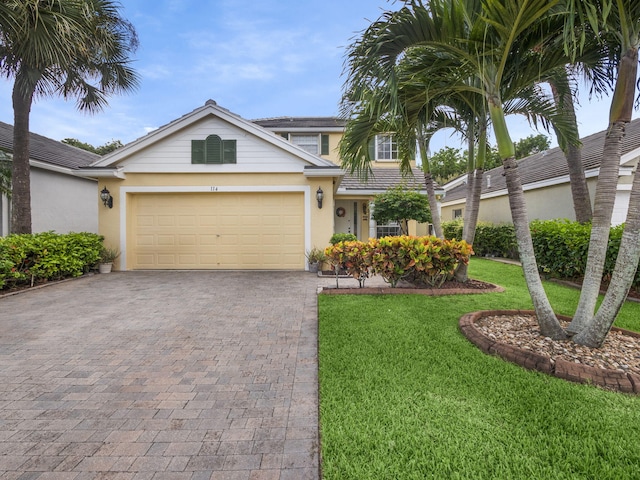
(161, 375)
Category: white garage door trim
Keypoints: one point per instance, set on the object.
(306, 189)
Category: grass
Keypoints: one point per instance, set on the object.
(403, 395)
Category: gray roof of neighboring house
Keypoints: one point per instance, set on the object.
(284, 123)
(47, 150)
(552, 163)
(383, 179)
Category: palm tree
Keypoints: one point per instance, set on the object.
(618, 25)
(502, 45)
(60, 47)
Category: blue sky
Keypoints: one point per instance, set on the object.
(258, 59)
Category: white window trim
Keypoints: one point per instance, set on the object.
(318, 143)
(377, 153)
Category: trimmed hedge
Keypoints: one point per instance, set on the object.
(31, 258)
(560, 246)
(490, 240)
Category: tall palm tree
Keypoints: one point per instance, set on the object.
(503, 46)
(72, 48)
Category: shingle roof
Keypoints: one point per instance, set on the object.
(552, 163)
(47, 150)
(382, 179)
(300, 122)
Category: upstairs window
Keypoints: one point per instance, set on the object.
(386, 148)
(383, 148)
(308, 143)
(213, 150)
(313, 143)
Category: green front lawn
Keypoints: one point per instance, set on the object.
(403, 395)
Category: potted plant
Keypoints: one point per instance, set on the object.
(315, 257)
(107, 257)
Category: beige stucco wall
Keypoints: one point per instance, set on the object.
(334, 147)
(542, 204)
(62, 203)
(111, 222)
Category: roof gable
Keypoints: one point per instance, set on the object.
(211, 111)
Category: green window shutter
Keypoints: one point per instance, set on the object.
(197, 151)
(372, 148)
(285, 136)
(324, 145)
(228, 151)
(213, 149)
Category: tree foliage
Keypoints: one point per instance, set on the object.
(101, 150)
(401, 205)
(449, 163)
(69, 48)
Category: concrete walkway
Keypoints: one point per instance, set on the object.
(161, 375)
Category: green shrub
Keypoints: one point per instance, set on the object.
(490, 240)
(452, 230)
(354, 257)
(46, 256)
(427, 260)
(560, 247)
(342, 237)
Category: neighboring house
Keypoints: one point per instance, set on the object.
(545, 180)
(212, 190)
(61, 200)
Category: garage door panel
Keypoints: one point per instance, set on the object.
(217, 231)
(166, 240)
(145, 220)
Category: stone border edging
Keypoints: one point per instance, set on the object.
(44, 285)
(574, 372)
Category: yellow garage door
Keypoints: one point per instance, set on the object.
(217, 231)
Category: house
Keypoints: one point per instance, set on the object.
(545, 180)
(61, 200)
(212, 190)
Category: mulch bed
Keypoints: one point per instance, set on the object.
(450, 287)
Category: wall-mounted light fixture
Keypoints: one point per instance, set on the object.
(365, 208)
(440, 193)
(106, 198)
(319, 196)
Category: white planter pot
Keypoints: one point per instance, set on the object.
(105, 267)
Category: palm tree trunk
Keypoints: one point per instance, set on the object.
(430, 185)
(433, 203)
(573, 155)
(619, 116)
(623, 275)
(20, 173)
(601, 225)
(578, 182)
(474, 189)
(547, 320)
